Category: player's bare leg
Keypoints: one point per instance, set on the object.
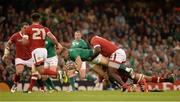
(19, 70)
(82, 71)
(81, 67)
(98, 69)
(114, 73)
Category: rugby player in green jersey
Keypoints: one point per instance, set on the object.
(78, 55)
(78, 42)
(51, 62)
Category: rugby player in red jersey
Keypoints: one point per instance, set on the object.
(35, 35)
(23, 54)
(117, 56)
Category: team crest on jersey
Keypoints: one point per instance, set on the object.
(75, 43)
(19, 40)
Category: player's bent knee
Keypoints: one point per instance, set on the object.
(19, 68)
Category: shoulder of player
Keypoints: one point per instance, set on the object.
(15, 35)
(36, 26)
(95, 38)
(82, 40)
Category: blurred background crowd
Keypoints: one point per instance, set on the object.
(148, 30)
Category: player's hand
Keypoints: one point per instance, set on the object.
(128, 88)
(59, 48)
(4, 57)
(90, 59)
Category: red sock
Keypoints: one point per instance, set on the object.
(16, 78)
(32, 82)
(157, 79)
(41, 84)
(49, 72)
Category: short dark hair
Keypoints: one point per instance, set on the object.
(23, 23)
(91, 34)
(19, 26)
(35, 17)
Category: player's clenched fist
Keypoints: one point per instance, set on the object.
(6, 53)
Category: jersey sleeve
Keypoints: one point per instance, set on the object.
(95, 42)
(84, 44)
(13, 38)
(47, 30)
(73, 54)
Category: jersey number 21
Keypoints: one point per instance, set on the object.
(39, 33)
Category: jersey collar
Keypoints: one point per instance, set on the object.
(20, 33)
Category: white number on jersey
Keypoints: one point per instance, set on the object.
(37, 33)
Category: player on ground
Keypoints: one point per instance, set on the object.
(117, 57)
(36, 34)
(78, 55)
(23, 54)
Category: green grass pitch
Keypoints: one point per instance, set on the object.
(95, 96)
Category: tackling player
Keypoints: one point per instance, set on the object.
(117, 57)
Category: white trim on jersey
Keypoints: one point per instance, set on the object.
(97, 46)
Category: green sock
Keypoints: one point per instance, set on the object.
(50, 83)
(72, 83)
(48, 86)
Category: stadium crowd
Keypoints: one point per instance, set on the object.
(150, 36)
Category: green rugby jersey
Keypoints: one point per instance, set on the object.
(85, 54)
(51, 51)
(79, 44)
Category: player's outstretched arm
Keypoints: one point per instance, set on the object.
(6, 50)
(59, 47)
